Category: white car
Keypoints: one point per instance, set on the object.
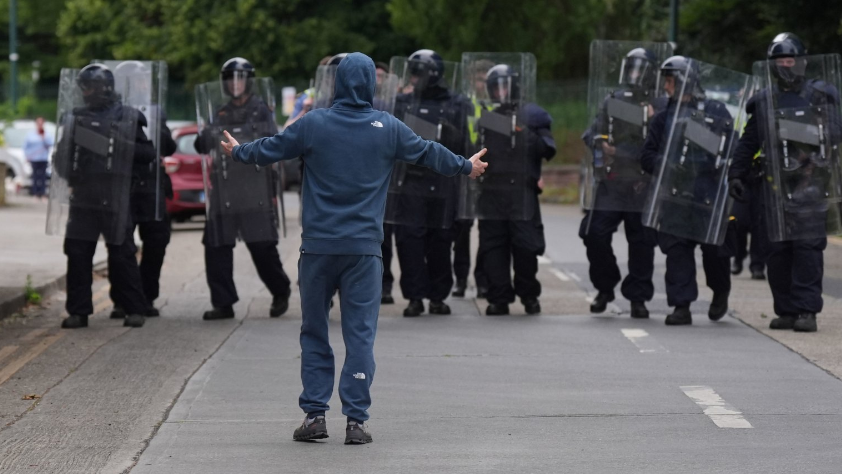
(18, 170)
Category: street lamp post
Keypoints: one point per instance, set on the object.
(13, 53)
(673, 32)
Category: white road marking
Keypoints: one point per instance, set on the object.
(722, 414)
(646, 343)
(575, 277)
(542, 260)
(560, 274)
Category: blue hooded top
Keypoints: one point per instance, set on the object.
(348, 152)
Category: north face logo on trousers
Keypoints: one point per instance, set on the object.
(376, 124)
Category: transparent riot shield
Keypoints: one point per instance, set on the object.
(384, 92)
(419, 196)
(509, 188)
(800, 116)
(689, 193)
(242, 200)
(91, 165)
(622, 85)
(147, 84)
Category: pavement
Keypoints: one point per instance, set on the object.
(565, 391)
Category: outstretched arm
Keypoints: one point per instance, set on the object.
(285, 145)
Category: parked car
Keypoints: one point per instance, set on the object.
(184, 168)
(18, 170)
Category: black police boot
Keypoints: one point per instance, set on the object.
(680, 317)
(152, 312)
(226, 312)
(134, 320)
(497, 310)
(439, 307)
(736, 267)
(279, 306)
(117, 313)
(638, 310)
(786, 321)
(386, 298)
(718, 306)
(415, 308)
(75, 321)
(461, 286)
(601, 301)
(758, 275)
(806, 322)
(481, 292)
(531, 305)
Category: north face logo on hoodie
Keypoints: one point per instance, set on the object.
(376, 124)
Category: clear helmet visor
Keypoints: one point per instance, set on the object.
(500, 90)
(636, 72)
(237, 83)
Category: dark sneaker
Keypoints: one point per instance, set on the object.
(482, 292)
(639, 311)
(134, 320)
(152, 312)
(311, 428)
(117, 313)
(736, 267)
(357, 433)
(718, 306)
(680, 317)
(497, 310)
(226, 312)
(459, 290)
(758, 275)
(75, 321)
(531, 305)
(806, 322)
(415, 308)
(439, 307)
(386, 298)
(783, 322)
(601, 301)
(279, 307)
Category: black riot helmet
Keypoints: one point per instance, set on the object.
(334, 61)
(685, 71)
(503, 84)
(236, 77)
(639, 68)
(790, 74)
(97, 84)
(427, 67)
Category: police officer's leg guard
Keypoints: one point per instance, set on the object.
(125, 277)
(80, 254)
(527, 244)
(269, 268)
(680, 277)
(807, 274)
(637, 286)
(155, 236)
(462, 250)
(716, 262)
(386, 250)
(219, 270)
(439, 266)
(596, 231)
(779, 266)
(495, 244)
(411, 242)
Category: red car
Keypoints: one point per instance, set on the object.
(185, 170)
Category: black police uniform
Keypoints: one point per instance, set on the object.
(599, 225)
(219, 259)
(155, 234)
(123, 269)
(516, 244)
(749, 220)
(796, 267)
(424, 251)
(680, 277)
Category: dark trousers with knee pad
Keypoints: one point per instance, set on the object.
(795, 272)
(424, 256)
(680, 276)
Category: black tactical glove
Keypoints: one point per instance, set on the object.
(737, 189)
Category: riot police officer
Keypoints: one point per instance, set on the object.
(422, 204)
(694, 172)
(231, 215)
(98, 146)
(621, 187)
(150, 183)
(795, 119)
(749, 220)
(511, 233)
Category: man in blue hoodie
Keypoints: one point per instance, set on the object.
(348, 152)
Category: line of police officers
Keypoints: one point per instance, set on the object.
(665, 152)
(670, 143)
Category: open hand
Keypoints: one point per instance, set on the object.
(479, 166)
(230, 144)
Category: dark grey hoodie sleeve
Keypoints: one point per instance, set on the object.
(414, 149)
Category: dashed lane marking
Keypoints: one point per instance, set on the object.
(16, 364)
(646, 343)
(721, 413)
(560, 274)
(542, 260)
